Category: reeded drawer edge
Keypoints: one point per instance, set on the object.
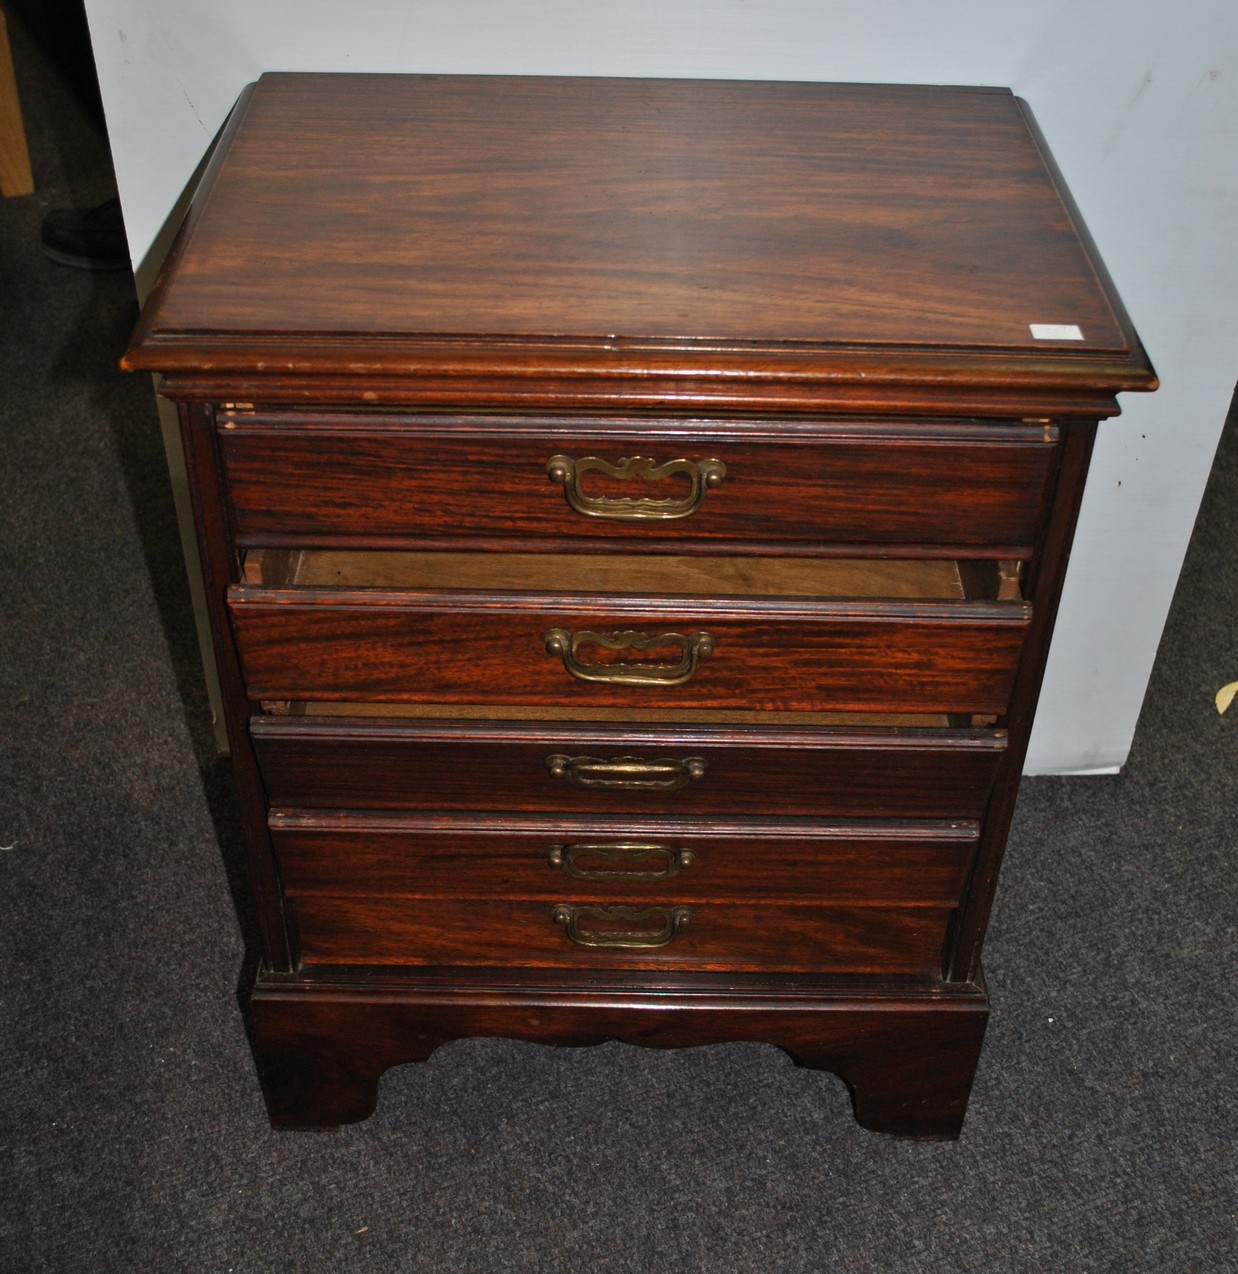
(481, 728)
(282, 818)
(482, 985)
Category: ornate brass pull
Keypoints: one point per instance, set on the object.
(628, 772)
(567, 473)
(692, 649)
(629, 860)
(629, 936)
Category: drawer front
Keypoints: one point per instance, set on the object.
(758, 938)
(522, 650)
(620, 861)
(360, 764)
(380, 480)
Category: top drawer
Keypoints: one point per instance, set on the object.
(378, 479)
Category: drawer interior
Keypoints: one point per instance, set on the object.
(639, 574)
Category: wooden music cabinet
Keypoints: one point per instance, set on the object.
(633, 516)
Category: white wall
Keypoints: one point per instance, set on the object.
(1138, 100)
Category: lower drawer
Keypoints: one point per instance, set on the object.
(567, 768)
(741, 937)
(595, 860)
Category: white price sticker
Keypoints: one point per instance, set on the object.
(1055, 332)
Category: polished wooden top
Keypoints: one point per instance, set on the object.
(852, 229)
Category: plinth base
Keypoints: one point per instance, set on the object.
(908, 1058)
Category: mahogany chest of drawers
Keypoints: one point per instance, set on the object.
(633, 516)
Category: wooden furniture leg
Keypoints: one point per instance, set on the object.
(15, 175)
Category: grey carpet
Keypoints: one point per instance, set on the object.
(132, 1135)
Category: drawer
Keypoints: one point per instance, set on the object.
(561, 894)
(342, 763)
(380, 479)
(744, 937)
(622, 860)
(525, 649)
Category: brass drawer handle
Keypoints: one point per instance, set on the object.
(631, 860)
(702, 474)
(630, 935)
(627, 772)
(692, 650)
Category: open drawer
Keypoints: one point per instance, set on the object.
(638, 633)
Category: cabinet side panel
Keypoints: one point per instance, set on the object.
(219, 571)
(1048, 571)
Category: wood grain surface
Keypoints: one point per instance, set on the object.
(387, 479)
(426, 215)
(765, 860)
(357, 764)
(515, 933)
(777, 656)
